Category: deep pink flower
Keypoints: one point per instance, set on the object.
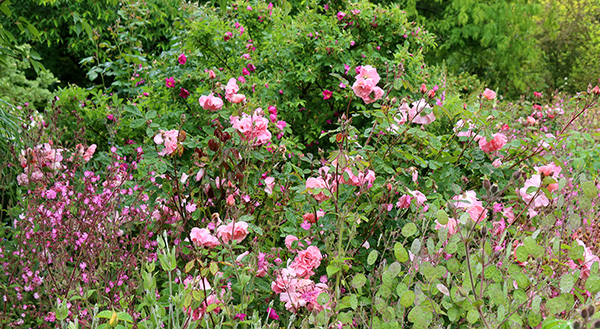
(184, 93)
(341, 15)
(170, 82)
(327, 94)
(182, 59)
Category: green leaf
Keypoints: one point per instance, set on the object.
(408, 298)
(331, 270)
(409, 229)
(137, 123)
(372, 257)
(359, 280)
(556, 305)
(323, 298)
(567, 281)
(151, 115)
(592, 284)
(522, 254)
(442, 217)
(589, 189)
(400, 252)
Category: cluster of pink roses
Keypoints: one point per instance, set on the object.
(323, 186)
(231, 92)
(366, 84)
(35, 160)
(363, 178)
(293, 283)
(253, 128)
(233, 231)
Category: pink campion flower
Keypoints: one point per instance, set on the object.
(210, 102)
(340, 15)
(202, 237)
(306, 261)
(110, 117)
(184, 93)
(416, 113)
(327, 94)
(233, 231)
(227, 36)
(496, 143)
(537, 94)
(170, 82)
(269, 184)
(489, 94)
(272, 314)
(182, 59)
(245, 71)
(170, 140)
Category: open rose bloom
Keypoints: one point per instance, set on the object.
(365, 85)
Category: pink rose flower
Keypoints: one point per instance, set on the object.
(233, 231)
(269, 184)
(169, 138)
(340, 15)
(489, 94)
(210, 102)
(318, 182)
(416, 113)
(451, 226)
(202, 237)
(289, 240)
(306, 261)
(283, 280)
(498, 141)
(327, 94)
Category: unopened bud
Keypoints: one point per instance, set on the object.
(423, 89)
(486, 185)
(596, 90)
(516, 175)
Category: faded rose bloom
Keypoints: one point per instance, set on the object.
(416, 113)
(202, 237)
(210, 102)
(169, 138)
(233, 231)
